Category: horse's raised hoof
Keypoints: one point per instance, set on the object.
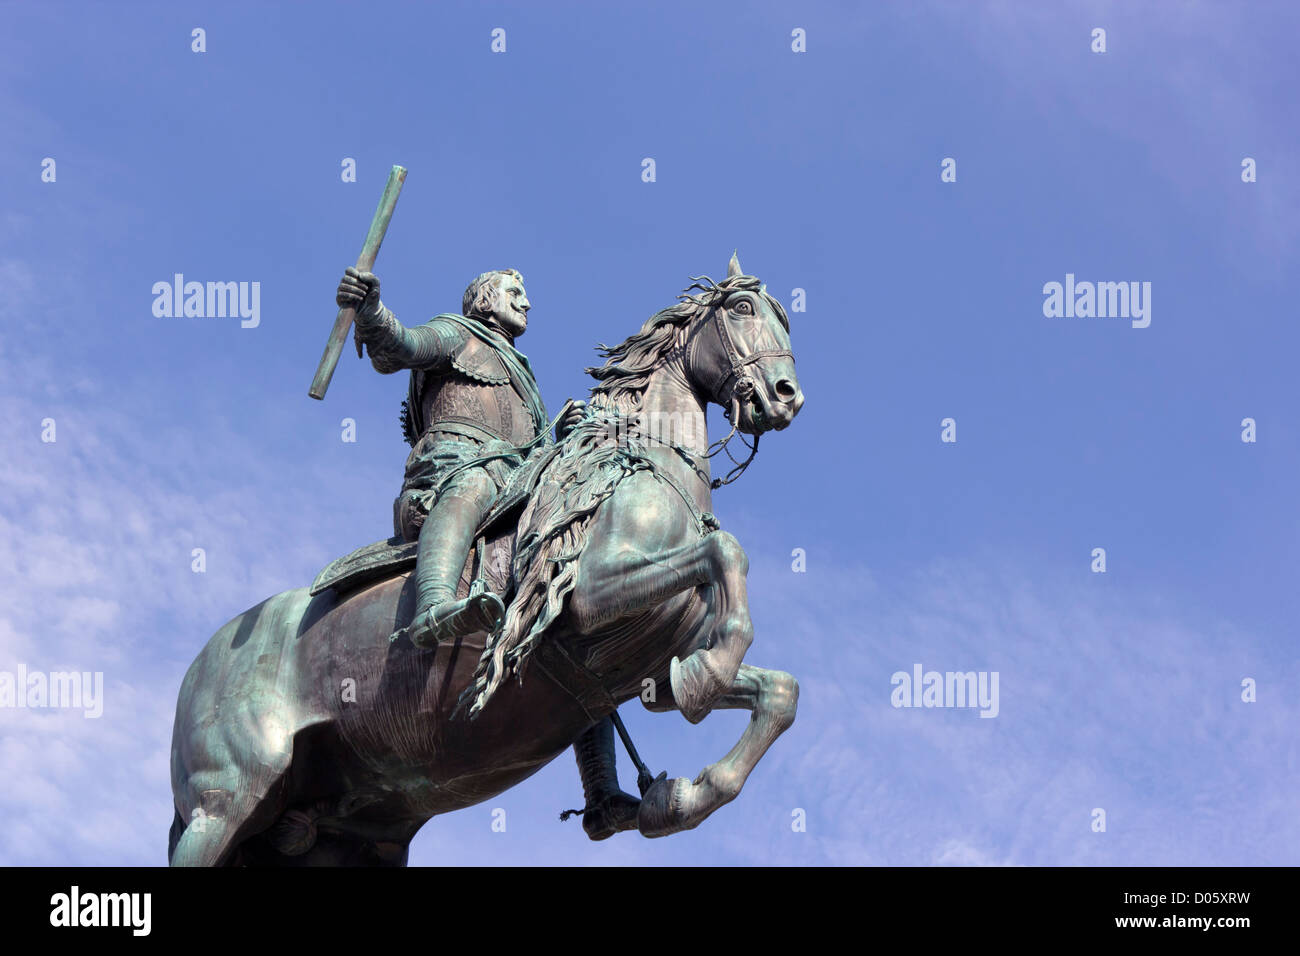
(695, 687)
(660, 812)
(614, 814)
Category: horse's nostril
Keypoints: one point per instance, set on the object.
(786, 390)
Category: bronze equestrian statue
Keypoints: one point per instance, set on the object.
(305, 736)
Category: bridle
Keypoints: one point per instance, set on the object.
(742, 390)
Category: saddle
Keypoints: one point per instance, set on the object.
(393, 556)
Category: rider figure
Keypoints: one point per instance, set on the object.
(472, 413)
(473, 409)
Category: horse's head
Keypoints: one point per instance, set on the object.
(738, 353)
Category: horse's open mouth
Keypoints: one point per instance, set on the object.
(757, 420)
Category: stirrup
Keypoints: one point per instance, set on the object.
(448, 620)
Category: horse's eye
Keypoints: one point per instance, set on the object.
(744, 308)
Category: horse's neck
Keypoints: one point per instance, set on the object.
(673, 413)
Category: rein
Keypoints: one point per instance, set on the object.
(742, 389)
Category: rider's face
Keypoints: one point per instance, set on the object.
(510, 306)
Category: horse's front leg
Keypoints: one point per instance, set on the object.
(622, 577)
(670, 806)
(708, 672)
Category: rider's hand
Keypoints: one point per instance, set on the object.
(572, 414)
(360, 291)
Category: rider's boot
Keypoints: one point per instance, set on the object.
(608, 808)
(445, 540)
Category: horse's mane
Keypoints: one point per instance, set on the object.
(628, 365)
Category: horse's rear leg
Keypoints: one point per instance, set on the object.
(205, 841)
(670, 806)
(219, 823)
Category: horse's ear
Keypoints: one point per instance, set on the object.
(733, 267)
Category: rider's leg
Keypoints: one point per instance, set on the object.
(608, 808)
(445, 540)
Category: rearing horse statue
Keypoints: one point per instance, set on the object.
(303, 736)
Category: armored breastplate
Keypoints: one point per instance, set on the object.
(456, 399)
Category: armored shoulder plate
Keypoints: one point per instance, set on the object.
(480, 362)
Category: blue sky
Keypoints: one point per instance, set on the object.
(924, 301)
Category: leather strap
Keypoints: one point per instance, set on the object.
(466, 427)
(574, 678)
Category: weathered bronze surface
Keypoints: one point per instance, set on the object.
(304, 735)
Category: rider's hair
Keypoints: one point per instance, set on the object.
(469, 304)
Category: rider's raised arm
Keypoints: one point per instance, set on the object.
(394, 347)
